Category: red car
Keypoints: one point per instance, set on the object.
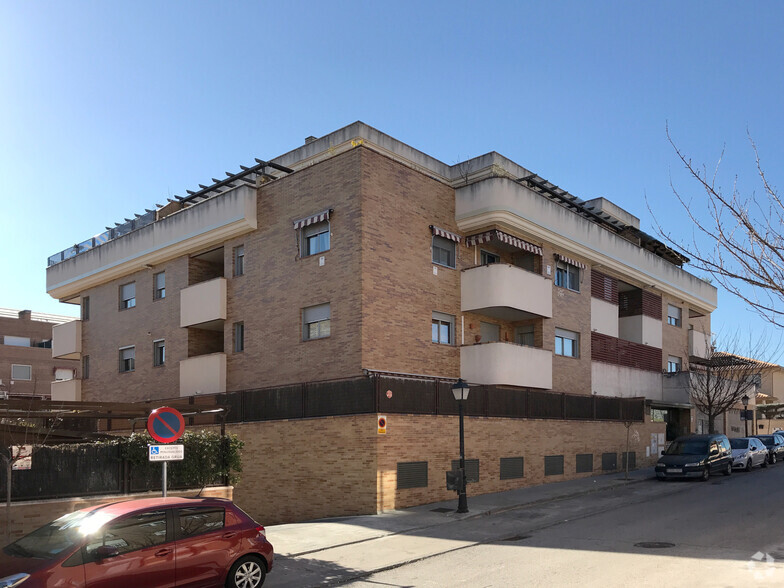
(150, 543)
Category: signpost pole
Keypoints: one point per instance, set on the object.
(163, 480)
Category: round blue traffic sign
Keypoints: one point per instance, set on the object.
(165, 424)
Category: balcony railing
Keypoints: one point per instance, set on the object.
(203, 374)
(699, 343)
(203, 304)
(67, 390)
(506, 291)
(67, 340)
(506, 364)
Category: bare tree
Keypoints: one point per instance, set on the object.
(744, 236)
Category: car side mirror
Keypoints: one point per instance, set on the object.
(714, 452)
(106, 551)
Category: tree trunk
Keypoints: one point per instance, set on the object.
(8, 470)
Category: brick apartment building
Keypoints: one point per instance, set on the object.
(357, 257)
(26, 364)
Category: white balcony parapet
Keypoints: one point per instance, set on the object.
(203, 303)
(507, 364)
(67, 340)
(506, 291)
(67, 390)
(203, 374)
(699, 343)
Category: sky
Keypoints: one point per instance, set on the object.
(108, 108)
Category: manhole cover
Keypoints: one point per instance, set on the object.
(516, 538)
(654, 544)
(442, 509)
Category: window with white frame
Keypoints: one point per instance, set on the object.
(443, 251)
(21, 372)
(127, 359)
(159, 352)
(673, 364)
(316, 322)
(567, 276)
(525, 335)
(159, 286)
(443, 328)
(486, 258)
(567, 343)
(315, 238)
(239, 260)
(127, 295)
(673, 315)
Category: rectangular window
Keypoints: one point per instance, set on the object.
(131, 533)
(673, 364)
(490, 332)
(567, 276)
(159, 286)
(567, 343)
(486, 258)
(239, 260)
(200, 519)
(16, 341)
(127, 359)
(316, 322)
(85, 367)
(443, 251)
(86, 308)
(239, 337)
(673, 315)
(158, 352)
(315, 238)
(21, 372)
(443, 328)
(127, 295)
(525, 335)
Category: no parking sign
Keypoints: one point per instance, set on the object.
(165, 424)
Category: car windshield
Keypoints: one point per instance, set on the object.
(766, 439)
(739, 443)
(687, 447)
(58, 536)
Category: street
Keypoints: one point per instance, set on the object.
(726, 532)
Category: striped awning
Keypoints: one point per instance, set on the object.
(309, 220)
(446, 234)
(504, 238)
(570, 261)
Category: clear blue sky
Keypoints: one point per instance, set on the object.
(107, 108)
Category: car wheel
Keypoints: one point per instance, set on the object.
(764, 463)
(728, 470)
(247, 572)
(706, 474)
(773, 458)
(748, 466)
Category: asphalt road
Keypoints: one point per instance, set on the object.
(725, 532)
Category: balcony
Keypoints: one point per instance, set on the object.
(67, 390)
(506, 292)
(67, 340)
(506, 364)
(204, 305)
(699, 343)
(203, 374)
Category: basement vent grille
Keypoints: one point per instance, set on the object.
(632, 457)
(553, 465)
(511, 468)
(609, 461)
(411, 474)
(584, 463)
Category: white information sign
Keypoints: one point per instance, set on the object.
(166, 452)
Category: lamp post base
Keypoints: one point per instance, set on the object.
(462, 502)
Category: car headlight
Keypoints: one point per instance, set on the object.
(693, 465)
(13, 580)
(661, 465)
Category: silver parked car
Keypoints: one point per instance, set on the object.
(748, 452)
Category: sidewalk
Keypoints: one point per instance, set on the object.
(301, 539)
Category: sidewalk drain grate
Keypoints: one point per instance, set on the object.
(516, 538)
(654, 544)
(442, 509)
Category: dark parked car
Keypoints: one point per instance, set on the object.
(695, 456)
(161, 542)
(775, 445)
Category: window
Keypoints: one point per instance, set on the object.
(128, 295)
(567, 276)
(239, 337)
(131, 533)
(490, 332)
(86, 308)
(443, 251)
(673, 364)
(443, 328)
(200, 519)
(239, 260)
(525, 335)
(158, 352)
(315, 238)
(673, 315)
(315, 322)
(85, 367)
(127, 359)
(16, 341)
(21, 372)
(487, 258)
(159, 286)
(567, 343)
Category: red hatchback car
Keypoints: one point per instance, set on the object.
(149, 543)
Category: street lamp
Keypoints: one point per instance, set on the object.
(745, 401)
(460, 392)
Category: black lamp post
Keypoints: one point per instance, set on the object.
(745, 401)
(460, 392)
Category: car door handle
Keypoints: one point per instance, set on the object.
(163, 552)
(229, 535)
